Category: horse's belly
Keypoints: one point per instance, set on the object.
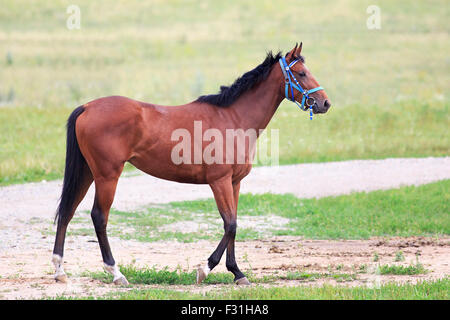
(163, 169)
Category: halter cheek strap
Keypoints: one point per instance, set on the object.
(289, 86)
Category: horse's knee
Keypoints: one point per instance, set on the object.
(230, 228)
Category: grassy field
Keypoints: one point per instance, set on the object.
(389, 87)
(408, 211)
(150, 275)
(426, 290)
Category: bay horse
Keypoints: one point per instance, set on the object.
(102, 135)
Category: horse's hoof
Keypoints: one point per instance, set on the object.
(242, 282)
(61, 278)
(201, 275)
(122, 281)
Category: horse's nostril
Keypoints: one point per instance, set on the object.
(327, 104)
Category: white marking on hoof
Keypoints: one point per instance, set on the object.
(119, 278)
(202, 273)
(60, 275)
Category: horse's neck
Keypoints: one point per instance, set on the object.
(256, 107)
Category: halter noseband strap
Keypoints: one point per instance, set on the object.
(289, 85)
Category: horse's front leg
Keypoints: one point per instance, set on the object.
(224, 195)
(231, 264)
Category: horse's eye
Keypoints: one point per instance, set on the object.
(302, 74)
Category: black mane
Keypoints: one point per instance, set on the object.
(228, 95)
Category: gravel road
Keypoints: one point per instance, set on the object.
(39, 200)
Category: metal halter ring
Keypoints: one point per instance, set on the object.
(310, 101)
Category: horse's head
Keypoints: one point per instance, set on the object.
(300, 85)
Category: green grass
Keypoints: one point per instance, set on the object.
(306, 276)
(403, 270)
(424, 290)
(399, 256)
(407, 211)
(389, 87)
(165, 276)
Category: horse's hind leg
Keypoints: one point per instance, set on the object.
(63, 222)
(104, 195)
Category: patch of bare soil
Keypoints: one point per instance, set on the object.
(28, 273)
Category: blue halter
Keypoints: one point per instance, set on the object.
(289, 86)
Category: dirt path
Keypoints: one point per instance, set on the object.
(25, 251)
(29, 274)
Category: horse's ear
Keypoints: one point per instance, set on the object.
(300, 48)
(291, 54)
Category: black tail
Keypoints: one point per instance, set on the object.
(75, 169)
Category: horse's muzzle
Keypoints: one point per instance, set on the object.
(322, 109)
